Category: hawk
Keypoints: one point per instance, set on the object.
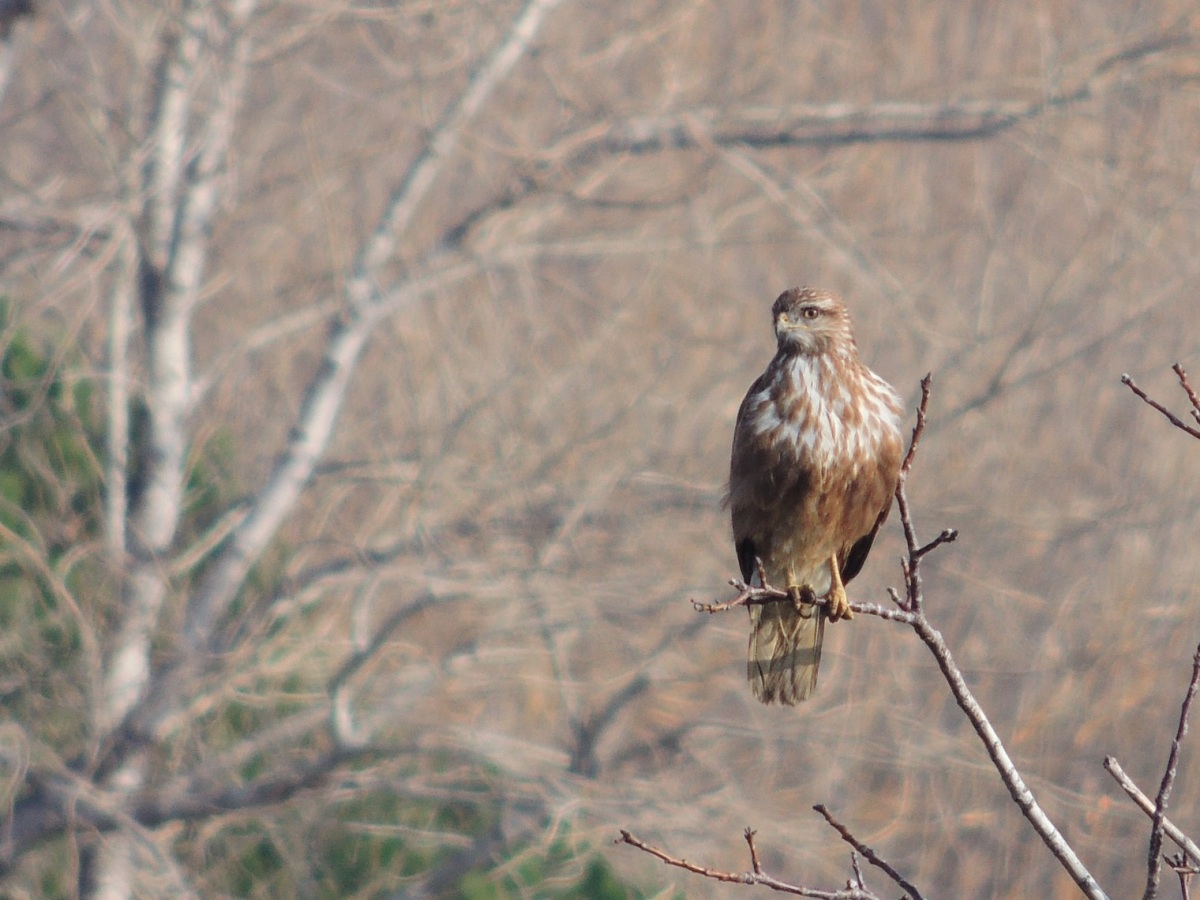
(816, 458)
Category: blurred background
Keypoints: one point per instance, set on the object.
(462, 656)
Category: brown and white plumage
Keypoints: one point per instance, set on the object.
(816, 456)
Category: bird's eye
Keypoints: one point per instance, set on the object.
(809, 312)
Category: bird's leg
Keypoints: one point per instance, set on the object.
(837, 605)
(802, 595)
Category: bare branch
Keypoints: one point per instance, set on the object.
(1188, 389)
(755, 866)
(105, 810)
(1146, 805)
(947, 536)
(870, 855)
(846, 123)
(1171, 417)
(749, 595)
(966, 701)
(912, 576)
(295, 466)
(1168, 779)
(754, 877)
(361, 290)
(919, 427)
(587, 730)
(1184, 871)
(341, 720)
(800, 202)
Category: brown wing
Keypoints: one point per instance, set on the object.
(744, 494)
(852, 562)
(878, 486)
(766, 484)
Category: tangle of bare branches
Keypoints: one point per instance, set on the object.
(911, 611)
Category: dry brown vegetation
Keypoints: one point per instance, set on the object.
(533, 444)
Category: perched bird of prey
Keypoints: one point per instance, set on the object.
(816, 458)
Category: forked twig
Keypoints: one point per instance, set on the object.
(1188, 389)
(751, 595)
(868, 854)
(1184, 870)
(1146, 805)
(947, 536)
(755, 876)
(1171, 417)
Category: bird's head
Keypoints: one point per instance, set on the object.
(811, 321)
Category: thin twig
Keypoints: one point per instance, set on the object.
(1184, 871)
(868, 854)
(755, 877)
(947, 536)
(912, 576)
(755, 866)
(1146, 805)
(1171, 417)
(1168, 780)
(919, 427)
(858, 875)
(1188, 389)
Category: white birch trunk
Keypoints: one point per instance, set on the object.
(179, 199)
(179, 203)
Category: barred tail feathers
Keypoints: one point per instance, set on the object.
(785, 651)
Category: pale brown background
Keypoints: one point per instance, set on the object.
(546, 441)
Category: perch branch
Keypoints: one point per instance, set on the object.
(750, 595)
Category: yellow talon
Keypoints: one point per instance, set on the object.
(837, 604)
(802, 597)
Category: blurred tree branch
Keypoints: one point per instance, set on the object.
(11, 14)
(845, 123)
